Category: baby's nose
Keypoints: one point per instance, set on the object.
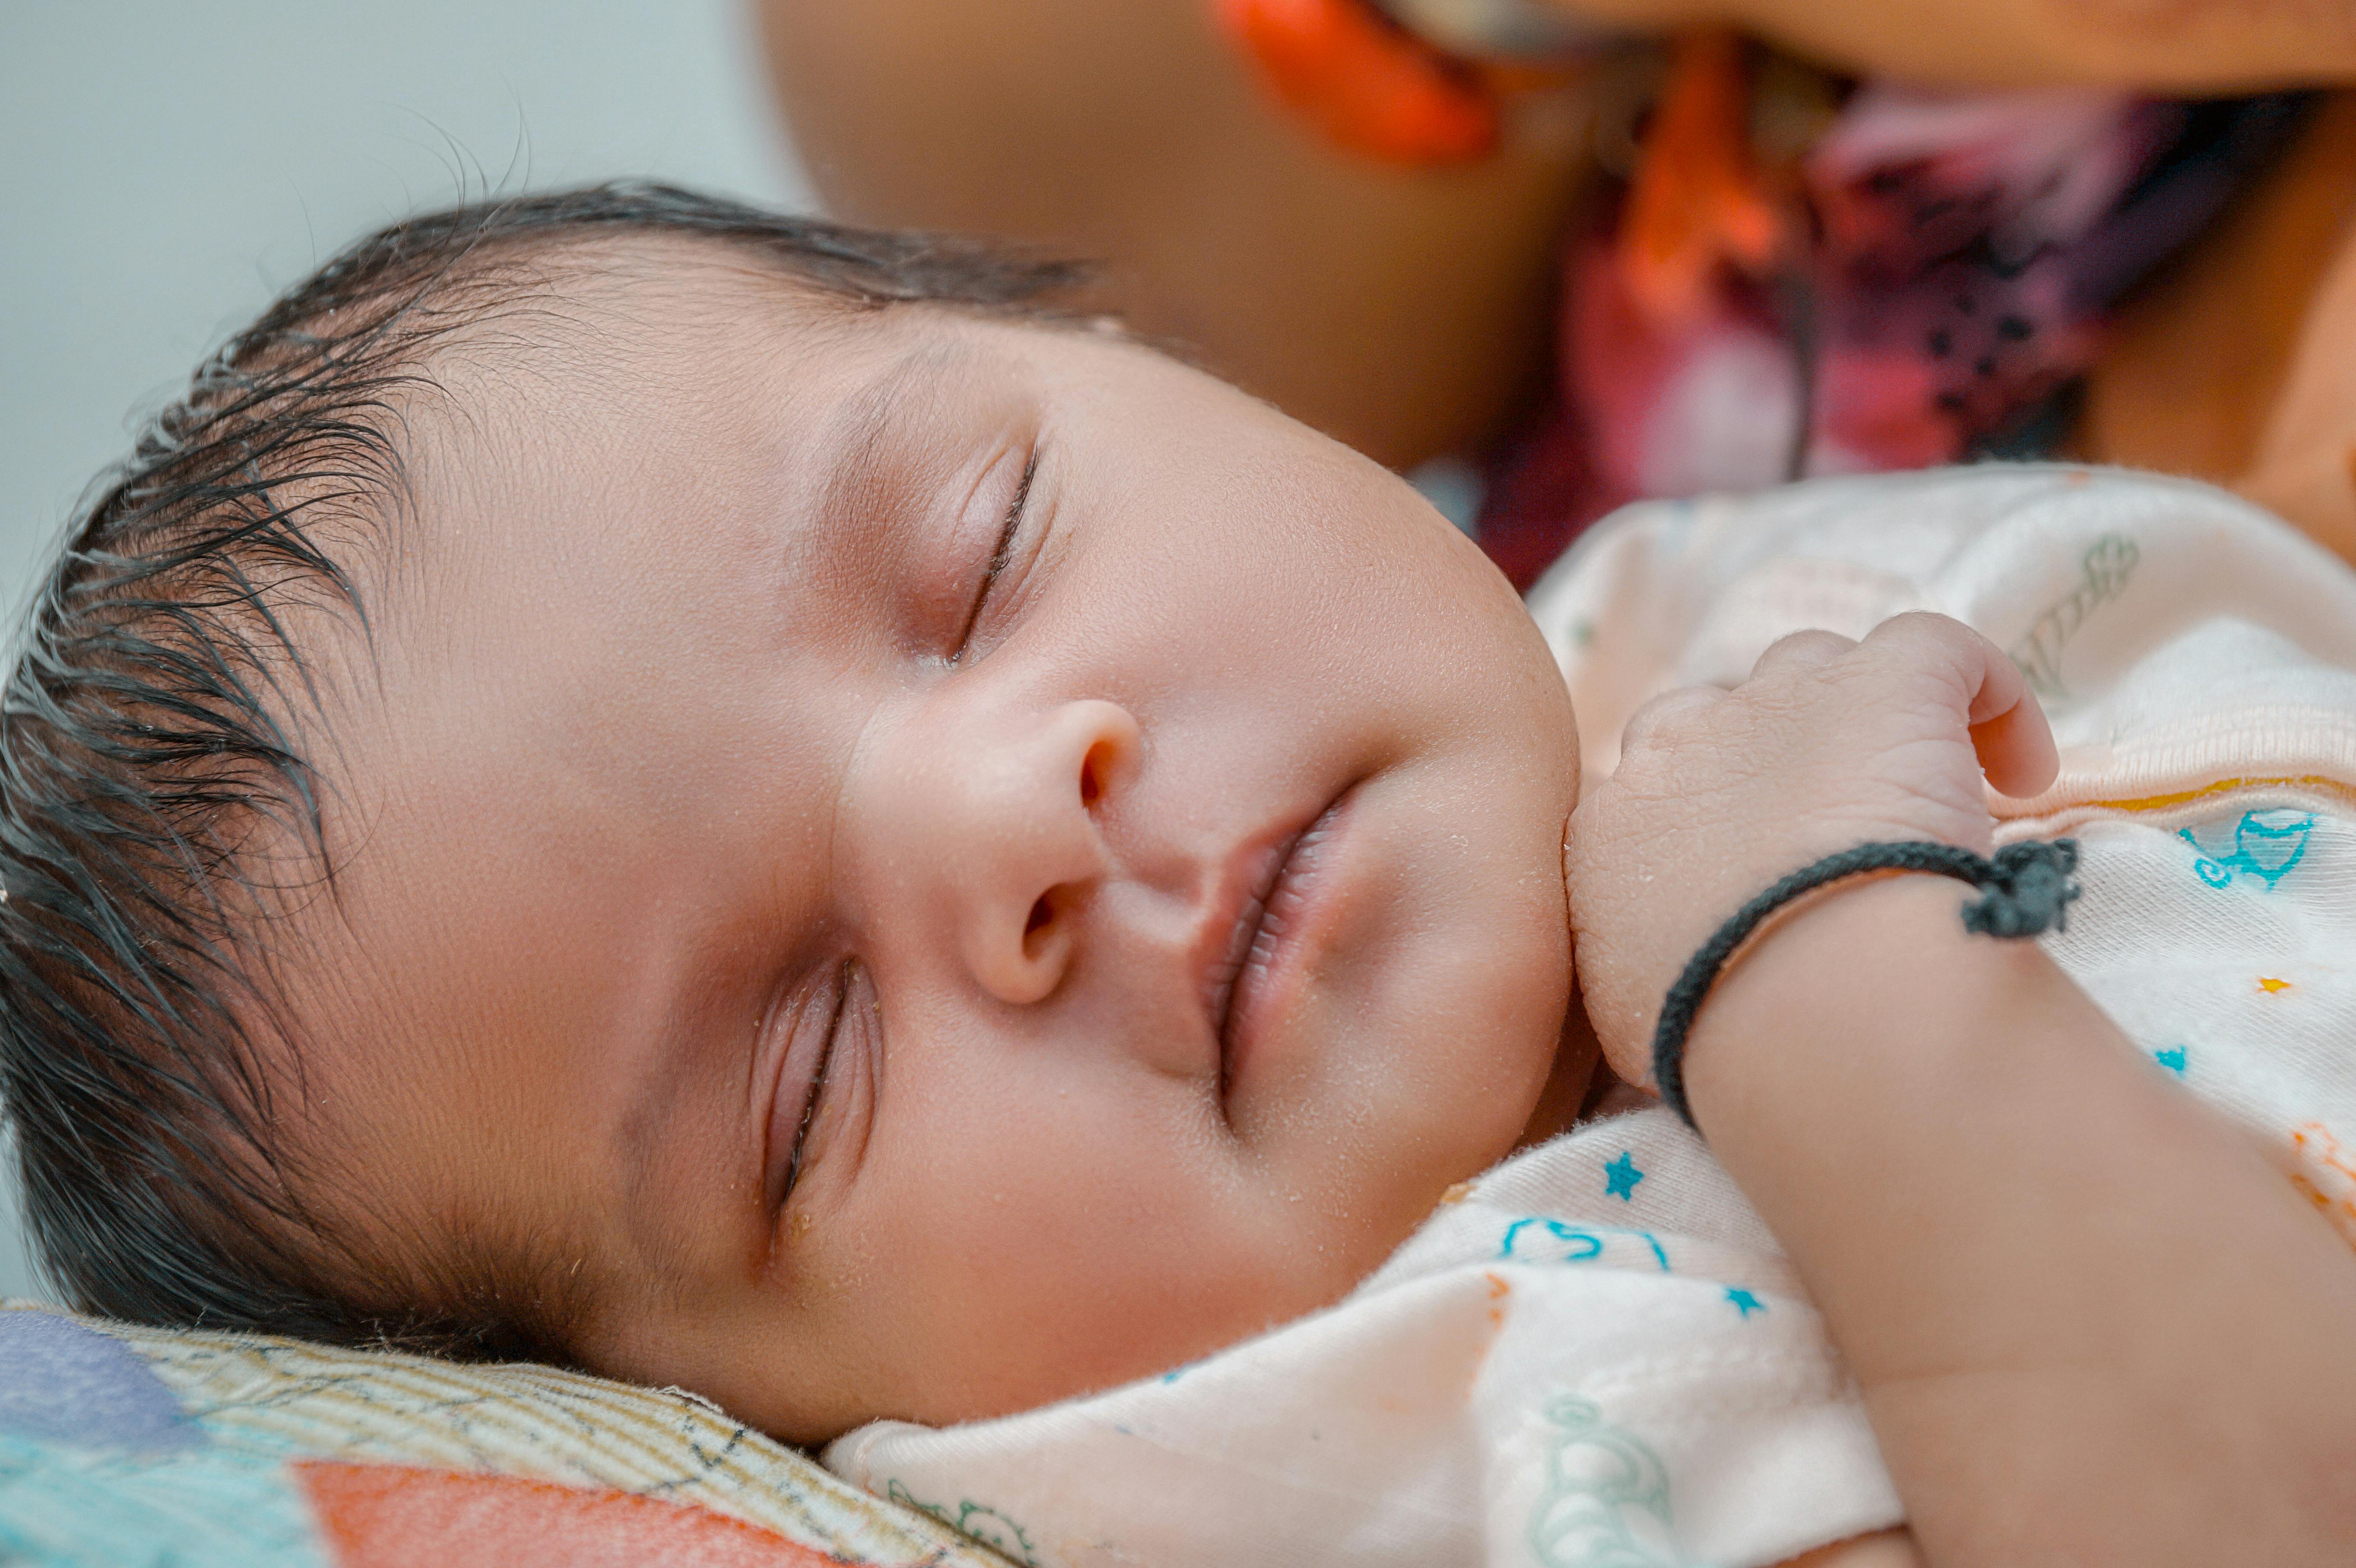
(1024, 848)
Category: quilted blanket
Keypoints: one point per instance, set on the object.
(123, 1446)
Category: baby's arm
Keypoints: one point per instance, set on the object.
(2091, 1324)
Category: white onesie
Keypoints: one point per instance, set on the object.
(1595, 1357)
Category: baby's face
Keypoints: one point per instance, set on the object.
(922, 866)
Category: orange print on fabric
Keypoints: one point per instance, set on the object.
(2310, 783)
(398, 1516)
(2328, 1176)
(2269, 984)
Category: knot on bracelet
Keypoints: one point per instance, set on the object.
(2025, 890)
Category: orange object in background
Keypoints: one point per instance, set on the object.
(1364, 82)
(1700, 198)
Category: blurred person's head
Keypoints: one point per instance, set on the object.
(744, 803)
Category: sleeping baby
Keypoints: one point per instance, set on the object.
(744, 805)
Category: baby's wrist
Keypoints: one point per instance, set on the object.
(2022, 890)
(1839, 975)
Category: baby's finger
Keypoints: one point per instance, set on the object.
(2008, 727)
(1801, 650)
(1647, 719)
(2010, 733)
(2014, 741)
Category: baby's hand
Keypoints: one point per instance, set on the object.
(1830, 744)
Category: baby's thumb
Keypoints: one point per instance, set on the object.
(2009, 733)
(2009, 730)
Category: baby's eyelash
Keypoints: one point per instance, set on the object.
(1014, 510)
(818, 1082)
(1001, 553)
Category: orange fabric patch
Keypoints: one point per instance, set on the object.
(2269, 984)
(398, 1516)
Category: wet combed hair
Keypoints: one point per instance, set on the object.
(161, 802)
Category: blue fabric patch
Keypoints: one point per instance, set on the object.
(66, 1383)
(79, 1507)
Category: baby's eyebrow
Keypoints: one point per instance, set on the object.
(679, 1077)
(647, 1129)
(859, 440)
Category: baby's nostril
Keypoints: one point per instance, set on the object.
(1042, 914)
(1091, 777)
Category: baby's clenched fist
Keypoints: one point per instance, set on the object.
(1830, 744)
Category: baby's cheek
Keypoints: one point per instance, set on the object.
(1062, 1258)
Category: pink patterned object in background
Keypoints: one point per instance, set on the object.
(1948, 265)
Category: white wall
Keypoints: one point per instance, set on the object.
(167, 166)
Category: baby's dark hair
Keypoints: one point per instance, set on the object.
(161, 794)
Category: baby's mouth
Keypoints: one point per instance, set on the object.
(1236, 988)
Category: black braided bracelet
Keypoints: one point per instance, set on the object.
(2026, 889)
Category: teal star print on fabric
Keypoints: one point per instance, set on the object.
(2172, 1058)
(1742, 1301)
(1620, 1177)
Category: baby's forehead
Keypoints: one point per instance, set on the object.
(632, 350)
(625, 319)
(659, 297)
(707, 371)
(675, 378)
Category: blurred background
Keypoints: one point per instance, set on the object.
(170, 167)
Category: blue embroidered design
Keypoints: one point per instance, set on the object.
(1538, 1240)
(1620, 1177)
(1605, 1500)
(1555, 1230)
(1742, 1301)
(2266, 845)
(2172, 1058)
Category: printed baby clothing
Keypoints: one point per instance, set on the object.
(1595, 1357)
(2197, 658)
